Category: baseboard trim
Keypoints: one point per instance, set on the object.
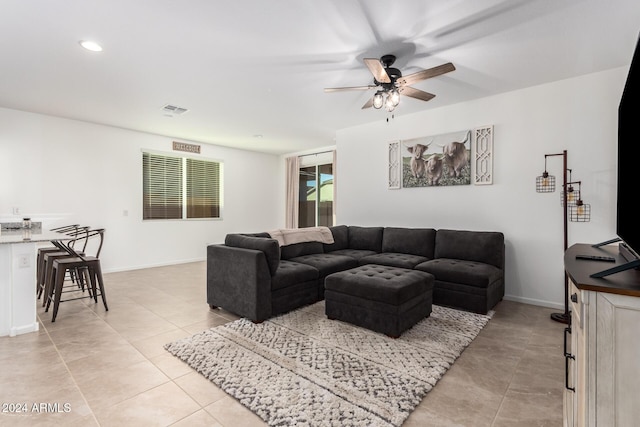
(162, 264)
(532, 301)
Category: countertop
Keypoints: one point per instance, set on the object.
(579, 271)
(29, 236)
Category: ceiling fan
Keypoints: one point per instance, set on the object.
(390, 82)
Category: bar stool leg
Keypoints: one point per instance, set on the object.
(48, 294)
(40, 276)
(48, 279)
(39, 273)
(40, 267)
(57, 292)
(87, 278)
(98, 274)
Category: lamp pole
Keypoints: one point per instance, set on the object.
(566, 316)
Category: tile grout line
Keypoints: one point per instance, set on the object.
(512, 376)
(202, 407)
(55, 346)
(148, 359)
(121, 336)
(169, 379)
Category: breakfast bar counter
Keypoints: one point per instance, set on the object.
(18, 279)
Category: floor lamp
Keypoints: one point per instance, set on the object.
(573, 208)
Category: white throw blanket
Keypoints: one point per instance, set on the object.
(289, 236)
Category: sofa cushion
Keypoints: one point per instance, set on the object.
(270, 247)
(472, 273)
(393, 259)
(292, 273)
(354, 253)
(340, 238)
(414, 241)
(480, 246)
(261, 234)
(300, 249)
(366, 238)
(327, 263)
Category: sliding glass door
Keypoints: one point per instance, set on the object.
(316, 196)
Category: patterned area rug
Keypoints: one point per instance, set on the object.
(303, 369)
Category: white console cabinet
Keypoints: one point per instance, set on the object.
(602, 346)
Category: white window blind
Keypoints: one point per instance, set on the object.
(203, 189)
(179, 187)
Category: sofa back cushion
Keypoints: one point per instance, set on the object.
(340, 238)
(365, 238)
(480, 246)
(412, 241)
(270, 247)
(261, 234)
(300, 249)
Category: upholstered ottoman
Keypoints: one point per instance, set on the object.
(381, 298)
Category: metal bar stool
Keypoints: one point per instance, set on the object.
(45, 276)
(70, 230)
(89, 271)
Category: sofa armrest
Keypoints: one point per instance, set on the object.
(239, 280)
(269, 246)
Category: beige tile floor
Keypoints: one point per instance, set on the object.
(97, 368)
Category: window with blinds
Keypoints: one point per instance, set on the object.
(180, 187)
(203, 189)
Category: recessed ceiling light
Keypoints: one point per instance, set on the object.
(92, 46)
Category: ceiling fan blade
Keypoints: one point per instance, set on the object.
(340, 89)
(368, 104)
(426, 74)
(416, 93)
(378, 71)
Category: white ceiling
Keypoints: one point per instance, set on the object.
(255, 67)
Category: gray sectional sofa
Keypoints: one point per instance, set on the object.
(252, 276)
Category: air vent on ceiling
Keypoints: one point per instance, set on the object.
(173, 110)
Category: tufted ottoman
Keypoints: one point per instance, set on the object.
(381, 298)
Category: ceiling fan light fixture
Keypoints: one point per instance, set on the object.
(389, 82)
(394, 97)
(378, 100)
(389, 103)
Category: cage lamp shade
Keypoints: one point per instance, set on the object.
(580, 212)
(546, 183)
(573, 196)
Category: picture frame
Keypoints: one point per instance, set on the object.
(437, 160)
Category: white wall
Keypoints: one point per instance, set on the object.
(63, 171)
(579, 115)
